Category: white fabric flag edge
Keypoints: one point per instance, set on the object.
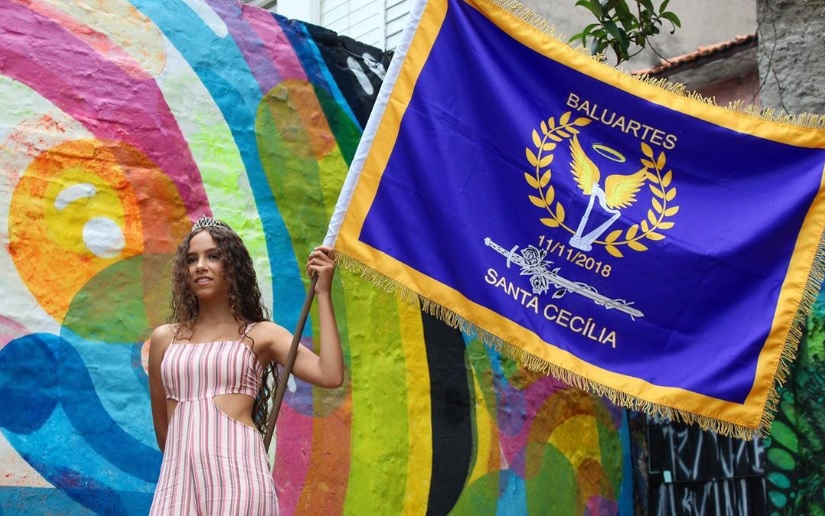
(377, 113)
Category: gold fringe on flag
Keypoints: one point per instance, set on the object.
(619, 398)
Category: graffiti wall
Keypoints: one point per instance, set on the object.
(121, 122)
(795, 471)
(691, 471)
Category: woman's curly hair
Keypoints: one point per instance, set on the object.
(244, 301)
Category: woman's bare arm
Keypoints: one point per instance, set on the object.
(325, 369)
(158, 343)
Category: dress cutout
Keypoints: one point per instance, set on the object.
(212, 464)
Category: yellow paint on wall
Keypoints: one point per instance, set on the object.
(419, 407)
(64, 224)
(380, 401)
(578, 439)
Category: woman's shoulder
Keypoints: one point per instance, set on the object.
(164, 333)
(269, 332)
(161, 337)
(267, 328)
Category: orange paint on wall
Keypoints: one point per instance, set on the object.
(66, 195)
(298, 98)
(327, 477)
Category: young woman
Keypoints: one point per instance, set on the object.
(209, 372)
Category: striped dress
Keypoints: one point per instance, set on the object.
(212, 464)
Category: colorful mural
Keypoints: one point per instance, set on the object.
(123, 121)
(795, 471)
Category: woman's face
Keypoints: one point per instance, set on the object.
(205, 264)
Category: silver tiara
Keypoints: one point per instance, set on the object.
(207, 222)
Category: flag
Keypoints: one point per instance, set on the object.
(630, 239)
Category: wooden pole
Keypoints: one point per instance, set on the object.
(280, 390)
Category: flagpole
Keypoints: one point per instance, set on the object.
(280, 390)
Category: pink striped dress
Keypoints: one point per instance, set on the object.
(212, 464)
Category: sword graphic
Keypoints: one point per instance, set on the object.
(532, 263)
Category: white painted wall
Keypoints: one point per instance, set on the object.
(304, 10)
(375, 22)
(396, 19)
(361, 20)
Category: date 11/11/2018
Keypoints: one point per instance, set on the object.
(574, 256)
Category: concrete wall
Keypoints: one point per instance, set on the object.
(122, 122)
(791, 40)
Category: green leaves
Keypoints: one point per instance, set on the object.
(623, 25)
(594, 6)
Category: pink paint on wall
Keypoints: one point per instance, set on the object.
(66, 71)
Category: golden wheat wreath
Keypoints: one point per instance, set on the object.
(661, 202)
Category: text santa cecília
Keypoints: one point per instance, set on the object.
(586, 327)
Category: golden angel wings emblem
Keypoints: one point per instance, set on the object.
(619, 192)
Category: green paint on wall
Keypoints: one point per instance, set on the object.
(380, 424)
(347, 134)
(782, 434)
(553, 490)
(479, 498)
(111, 306)
(610, 446)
